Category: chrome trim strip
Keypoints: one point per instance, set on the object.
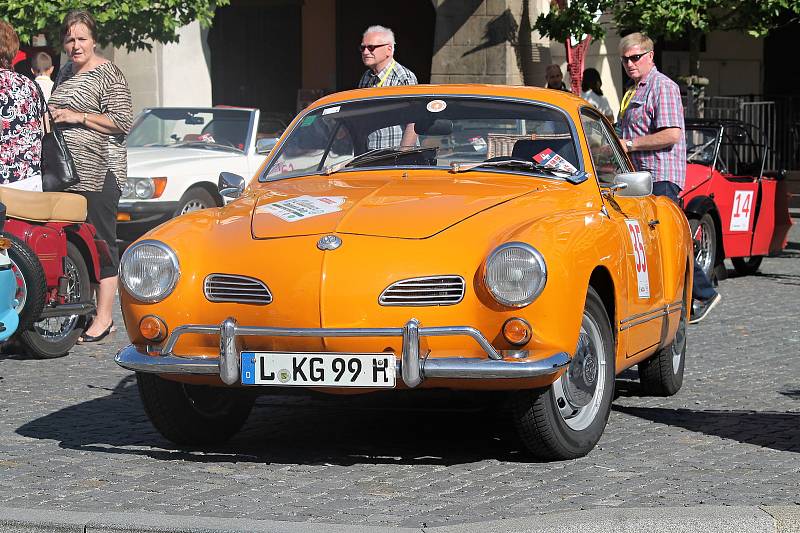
(444, 368)
(661, 313)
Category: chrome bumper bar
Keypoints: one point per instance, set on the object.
(410, 365)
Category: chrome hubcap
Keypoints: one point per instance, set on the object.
(579, 392)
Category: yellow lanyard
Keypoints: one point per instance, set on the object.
(626, 100)
(386, 74)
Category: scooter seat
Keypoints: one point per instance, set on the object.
(43, 206)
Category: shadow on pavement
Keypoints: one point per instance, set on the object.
(402, 427)
(779, 431)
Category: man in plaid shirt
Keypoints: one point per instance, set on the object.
(377, 53)
(651, 121)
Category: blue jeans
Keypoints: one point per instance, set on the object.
(701, 286)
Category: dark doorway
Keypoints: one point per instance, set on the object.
(412, 21)
(255, 55)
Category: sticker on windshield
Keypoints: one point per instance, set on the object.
(549, 159)
(329, 110)
(303, 207)
(639, 257)
(308, 120)
(435, 106)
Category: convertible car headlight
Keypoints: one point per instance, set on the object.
(515, 274)
(149, 271)
(143, 188)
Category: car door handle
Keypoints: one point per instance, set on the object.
(653, 223)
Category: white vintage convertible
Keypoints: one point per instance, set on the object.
(175, 155)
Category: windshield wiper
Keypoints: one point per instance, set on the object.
(376, 155)
(574, 178)
(205, 144)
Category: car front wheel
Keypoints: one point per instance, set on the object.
(565, 420)
(193, 414)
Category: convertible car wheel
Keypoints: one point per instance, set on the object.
(704, 234)
(193, 414)
(747, 265)
(662, 373)
(567, 419)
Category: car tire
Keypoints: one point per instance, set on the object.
(31, 282)
(197, 415)
(193, 200)
(54, 337)
(704, 235)
(662, 373)
(747, 266)
(565, 420)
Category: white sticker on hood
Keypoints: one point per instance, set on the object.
(303, 207)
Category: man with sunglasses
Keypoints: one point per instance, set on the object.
(377, 53)
(652, 132)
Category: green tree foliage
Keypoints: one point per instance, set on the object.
(128, 23)
(672, 19)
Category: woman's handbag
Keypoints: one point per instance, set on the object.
(58, 168)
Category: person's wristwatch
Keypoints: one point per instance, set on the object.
(629, 145)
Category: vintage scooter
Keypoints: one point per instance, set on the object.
(55, 257)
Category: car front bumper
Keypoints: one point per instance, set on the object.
(414, 369)
(144, 216)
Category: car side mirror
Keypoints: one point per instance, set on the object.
(230, 185)
(263, 146)
(633, 184)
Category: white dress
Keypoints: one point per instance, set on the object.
(600, 102)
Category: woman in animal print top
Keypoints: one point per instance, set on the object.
(92, 102)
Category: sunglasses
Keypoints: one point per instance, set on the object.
(371, 47)
(633, 58)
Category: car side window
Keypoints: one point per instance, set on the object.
(605, 157)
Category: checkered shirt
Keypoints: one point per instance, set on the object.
(400, 75)
(656, 105)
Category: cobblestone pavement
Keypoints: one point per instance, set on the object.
(73, 436)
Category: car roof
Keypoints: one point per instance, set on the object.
(558, 98)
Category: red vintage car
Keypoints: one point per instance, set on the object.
(736, 208)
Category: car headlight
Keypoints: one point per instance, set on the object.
(143, 188)
(149, 271)
(515, 274)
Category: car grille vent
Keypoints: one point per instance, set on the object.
(433, 290)
(238, 289)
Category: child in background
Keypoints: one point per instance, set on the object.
(42, 68)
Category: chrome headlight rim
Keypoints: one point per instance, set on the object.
(176, 274)
(537, 256)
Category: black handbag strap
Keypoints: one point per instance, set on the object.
(46, 109)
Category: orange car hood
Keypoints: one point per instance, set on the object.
(410, 208)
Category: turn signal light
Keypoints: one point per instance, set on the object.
(153, 328)
(517, 331)
(5, 243)
(123, 217)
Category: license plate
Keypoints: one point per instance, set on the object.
(319, 369)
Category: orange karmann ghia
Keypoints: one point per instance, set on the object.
(454, 236)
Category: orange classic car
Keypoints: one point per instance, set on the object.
(453, 236)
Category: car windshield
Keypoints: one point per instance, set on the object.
(210, 128)
(700, 145)
(427, 131)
